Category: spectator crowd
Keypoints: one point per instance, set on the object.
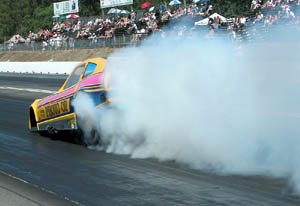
(135, 26)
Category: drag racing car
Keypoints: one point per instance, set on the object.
(55, 113)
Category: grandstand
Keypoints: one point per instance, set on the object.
(120, 30)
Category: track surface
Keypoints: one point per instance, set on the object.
(56, 172)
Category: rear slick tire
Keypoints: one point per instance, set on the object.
(93, 139)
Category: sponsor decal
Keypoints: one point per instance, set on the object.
(54, 109)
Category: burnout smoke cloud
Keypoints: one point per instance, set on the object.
(198, 102)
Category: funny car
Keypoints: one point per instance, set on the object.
(55, 113)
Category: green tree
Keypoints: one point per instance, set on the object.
(19, 17)
(11, 14)
(89, 8)
(230, 8)
(40, 19)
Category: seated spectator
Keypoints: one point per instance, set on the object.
(258, 17)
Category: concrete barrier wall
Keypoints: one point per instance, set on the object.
(38, 67)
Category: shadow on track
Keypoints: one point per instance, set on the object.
(65, 136)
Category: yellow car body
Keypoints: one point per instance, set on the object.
(55, 112)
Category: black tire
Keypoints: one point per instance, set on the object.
(93, 138)
(89, 136)
(86, 138)
(78, 137)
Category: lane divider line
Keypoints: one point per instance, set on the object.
(41, 188)
(20, 195)
(29, 90)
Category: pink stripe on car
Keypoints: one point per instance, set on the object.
(56, 96)
(93, 79)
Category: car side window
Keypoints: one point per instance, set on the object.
(74, 78)
(90, 68)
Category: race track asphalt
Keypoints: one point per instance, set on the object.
(37, 170)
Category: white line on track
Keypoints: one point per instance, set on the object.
(29, 90)
(41, 188)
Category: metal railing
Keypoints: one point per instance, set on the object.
(249, 34)
(112, 42)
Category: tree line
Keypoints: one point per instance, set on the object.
(20, 17)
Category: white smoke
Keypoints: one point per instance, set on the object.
(198, 102)
(87, 117)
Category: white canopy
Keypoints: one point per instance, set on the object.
(16, 39)
(206, 20)
(174, 2)
(114, 11)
